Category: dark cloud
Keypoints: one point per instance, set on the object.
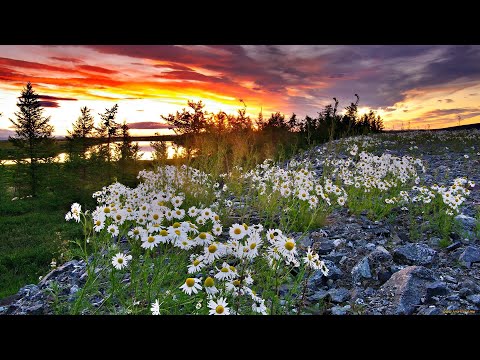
(465, 113)
(66, 59)
(148, 125)
(448, 101)
(49, 104)
(97, 69)
(30, 65)
(56, 98)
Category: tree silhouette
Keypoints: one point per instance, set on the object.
(33, 132)
(82, 129)
(108, 128)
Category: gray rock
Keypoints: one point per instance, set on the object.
(464, 292)
(324, 247)
(415, 254)
(361, 270)
(453, 246)
(430, 311)
(383, 276)
(317, 279)
(470, 255)
(408, 287)
(339, 310)
(435, 289)
(467, 222)
(334, 272)
(318, 295)
(339, 295)
(370, 246)
(380, 254)
(338, 242)
(474, 299)
(434, 241)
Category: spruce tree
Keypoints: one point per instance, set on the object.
(33, 132)
(82, 129)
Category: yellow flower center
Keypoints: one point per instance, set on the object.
(217, 217)
(176, 225)
(245, 226)
(178, 212)
(106, 210)
(155, 216)
(236, 282)
(112, 230)
(253, 246)
(237, 231)
(136, 232)
(196, 262)
(98, 223)
(163, 232)
(219, 309)
(151, 239)
(202, 236)
(190, 282)
(212, 248)
(289, 245)
(207, 213)
(118, 217)
(224, 269)
(209, 282)
(232, 268)
(178, 232)
(120, 260)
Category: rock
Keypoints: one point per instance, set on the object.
(335, 256)
(467, 222)
(36, 309)
(415, 254)
(464, 292)
(324, 247)
(339, 295)
(380, 254)
(317, 278)
(453, 246)
(334, 272)
(370, 246)
(383, 276)
(361, 270)
(470, 255)
(430, 311)
(450, 279)
(305, 242)
(434, 241)
(474, 299)
(338, 242)
(435, 289)
(408, 287)
(339, 310)
(318, 295)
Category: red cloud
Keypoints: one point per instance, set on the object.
(96, 69)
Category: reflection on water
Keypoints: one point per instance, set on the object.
(173, 150)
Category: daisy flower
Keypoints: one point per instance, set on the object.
(258, 306)
(237, 231)
(287, 247)
(203, 238)
(136, 232)
(150, 241)
(75, 211)
(155, 309)
(224, 273)
(191, 285)
(192, 211)
(178, 213)
(177, 201)
(273, 235)
(113, 230)
(217, 229)
(120, 261)
(212, 252)
(210, 287)
(219, 307)
(310, 258)
(196, 264)
(98, 225)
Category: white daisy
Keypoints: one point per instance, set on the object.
(155, 309)
(196, 265)
(191, 285)
(113, 230)
(119, 261)
(237, 231)
(258, 306)
(219, 307)
(224, 273)
(210, 287)
(149, 241)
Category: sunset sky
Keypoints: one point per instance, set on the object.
(419, 86)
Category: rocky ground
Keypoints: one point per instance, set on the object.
(375, 268)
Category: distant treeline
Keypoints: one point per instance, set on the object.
(97, 155)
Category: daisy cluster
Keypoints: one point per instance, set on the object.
(452, 196)
(368, 171)
(221, 266)
(296, 181)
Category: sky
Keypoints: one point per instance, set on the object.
(410, 86)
